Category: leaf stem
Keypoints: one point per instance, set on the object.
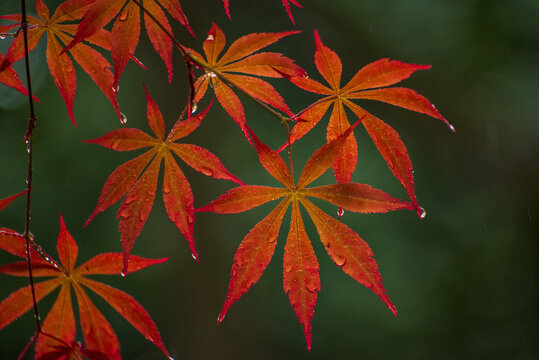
(28, 138)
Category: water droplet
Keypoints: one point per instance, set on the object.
(166, 188)
(122, 273)
(339, 260)
(452, 128)
(423, 213)
(2, 36)
(123, 15)
(206, 171)
(210, 37)
(288, 268)
(116, 88)
(194, 107)
(115, 145)
(220, 318)
(170, 358)
(194, 256)
(123, 120)
(234, 272)
(305, 76)
(311, 286)
(190, 219)
(340, 212)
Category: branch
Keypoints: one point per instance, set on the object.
(28, 138)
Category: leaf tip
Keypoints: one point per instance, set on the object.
(422, 213)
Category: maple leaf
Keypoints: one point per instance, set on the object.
(6, 201)
(8, 75)
(240, 59)
(346, 248)
(61, 67)
(99, 337)
(126, 29)
(370, 83)
(286, 4)
(177, 194)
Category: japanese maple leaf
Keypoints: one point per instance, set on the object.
(370, 83)
(99, 337)
(60, 33)
(177, 194)
(286, 4)
(8, 75)
(126, 29)
(238, 60)
(6, 201)
(300, 268)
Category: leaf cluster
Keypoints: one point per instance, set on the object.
(79, 30)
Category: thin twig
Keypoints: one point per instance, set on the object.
(28, 138)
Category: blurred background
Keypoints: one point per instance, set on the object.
(464, 280)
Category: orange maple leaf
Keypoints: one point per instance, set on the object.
(126, 29)
(370, 83)
(177, 194)
(237, 65)
(60, 324)
(300, 268)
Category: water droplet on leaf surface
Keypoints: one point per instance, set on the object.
(123, 16)
(2, 36)
(206, 171)
(210, 37)
(340, 212)
(423, 213)
(339, 260)
(123, 120)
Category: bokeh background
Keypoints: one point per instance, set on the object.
(464, 279)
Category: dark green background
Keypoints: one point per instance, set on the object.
(464, 279)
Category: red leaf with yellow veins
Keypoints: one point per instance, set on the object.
(369, 83)
(60, 323)
(140, 189)
(99, 337)
(136, 208)
(300, 272)
(300, 267)
(60, 64)
(349, 251)
(243, 198)
(126, 29)
(359, 198)
(237, 65)
(253, 256)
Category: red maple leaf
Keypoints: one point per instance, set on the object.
(126, 29)
(60, 324)
(177, 194)
(300, 268)
(286, 4)
(238, 60)
(60, 29)
(6, 201)
(370, 83)
(8, 75)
